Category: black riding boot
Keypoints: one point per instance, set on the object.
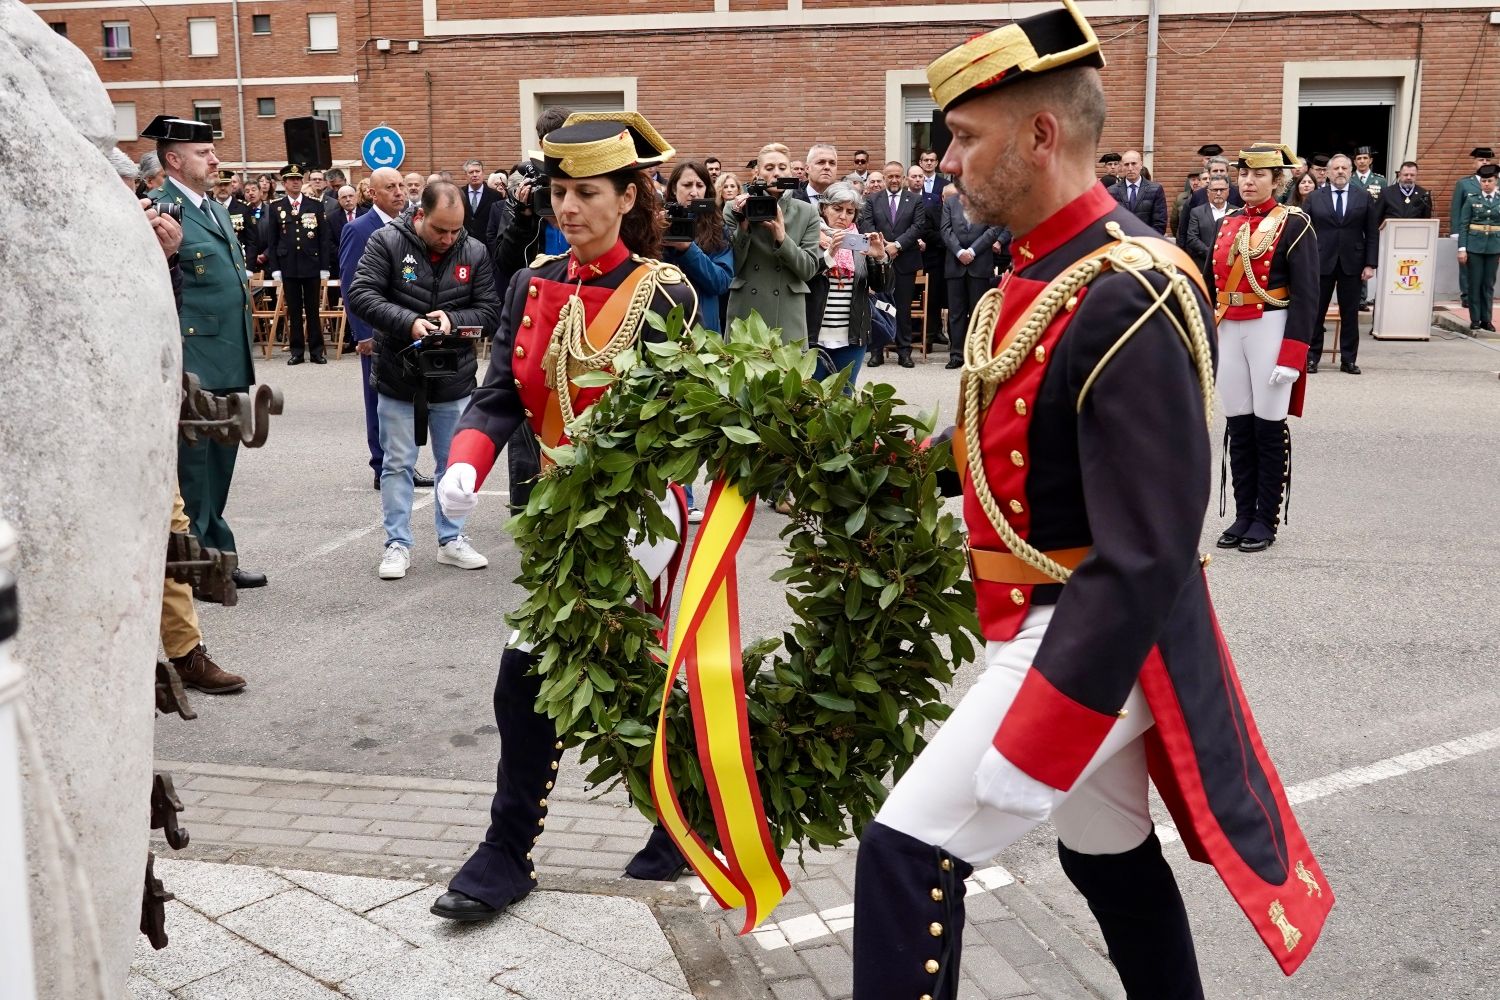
(1273, 450)
(659, 860)
(1240, 456)
(908, 917)
(1135, 899)
(501, 870)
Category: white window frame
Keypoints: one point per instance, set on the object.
(261, 114)
(896, 138)
(339, 110)
(198, 115)
(533, 91)
(127, 129)
(117, 52)
(1406, 115)
(312, 39)
(210, 43)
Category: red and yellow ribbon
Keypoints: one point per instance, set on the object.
(707, 645)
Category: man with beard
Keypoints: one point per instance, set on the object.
(1084, 457)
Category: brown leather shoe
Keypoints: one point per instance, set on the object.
(199, 672)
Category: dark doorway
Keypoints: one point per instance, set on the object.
(1344, 128)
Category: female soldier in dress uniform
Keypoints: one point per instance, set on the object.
(550, 333)
(1479, 247)
(1264, 270)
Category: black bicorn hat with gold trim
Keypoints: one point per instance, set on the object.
(1266, 155)
(1021, 50)
(592, 144)
(165, 128)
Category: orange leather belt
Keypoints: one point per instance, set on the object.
(1004, 567)
(1250, 298)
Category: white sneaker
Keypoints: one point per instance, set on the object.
(461, 554)
(394, 563)
(695, 516)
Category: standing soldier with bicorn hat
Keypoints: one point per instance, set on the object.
(298, 253)
(1085, 459)
(215, 318)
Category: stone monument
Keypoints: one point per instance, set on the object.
(90, 368)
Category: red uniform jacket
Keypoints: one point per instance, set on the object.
(1127, 478)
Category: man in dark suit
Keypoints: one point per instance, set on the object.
(970, 264)
(342, 212)
(899, 216)
(934, 255)
(479, 200)
(300, 256)
(1347, 224)
(822, 171)
(1405, 199)
(1198, 231)
(1144, 198)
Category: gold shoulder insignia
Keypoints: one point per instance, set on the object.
(666, 274)
(543, 258)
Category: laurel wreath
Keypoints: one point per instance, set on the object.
(840, 701)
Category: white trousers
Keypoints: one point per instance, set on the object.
(655, 556)
(1248, 349)
(1106, 812)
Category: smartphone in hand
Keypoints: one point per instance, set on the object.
(858, 242)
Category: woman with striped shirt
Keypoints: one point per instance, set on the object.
(838, 305)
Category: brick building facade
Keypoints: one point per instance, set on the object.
(468, 77)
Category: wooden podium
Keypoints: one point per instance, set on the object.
(1405, 279)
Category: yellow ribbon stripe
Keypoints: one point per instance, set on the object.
(707, 645)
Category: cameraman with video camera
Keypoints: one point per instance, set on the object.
(776, 252)
(696, 241)
(428, 290)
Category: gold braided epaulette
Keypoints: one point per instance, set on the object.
(666, 274)
(543, 258)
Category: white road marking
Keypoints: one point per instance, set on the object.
(420, 503)
(789, 933)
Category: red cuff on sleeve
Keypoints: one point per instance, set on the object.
(1049, 735)
(1293, 354)
(475, 448)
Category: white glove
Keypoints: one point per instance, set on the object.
(275, 275)
(1281, 375)
(1002, 785)
(323, 275)
(455, 491)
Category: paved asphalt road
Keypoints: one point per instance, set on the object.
(1368, 631)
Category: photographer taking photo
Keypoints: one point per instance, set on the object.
(776, 252)
(422, 280)
(854, 265)
(706, 259)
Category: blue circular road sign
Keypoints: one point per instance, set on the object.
(383, 147)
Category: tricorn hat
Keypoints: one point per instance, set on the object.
(1366, 151)
(1488, 170)
(1212, 149)
(1478, 152)
(1318, 160)
(165, 128)
(1110, 158)
(291, 170)
(1021, 50)
(592, 144)
(1263, 155)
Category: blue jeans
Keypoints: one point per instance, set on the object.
(842, 357)
(398, 439)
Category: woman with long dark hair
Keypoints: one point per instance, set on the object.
(706, 259)
(606, 204)
(1302, 190)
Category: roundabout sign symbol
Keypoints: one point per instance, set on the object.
(383, 147)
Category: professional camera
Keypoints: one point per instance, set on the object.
(682, 220)
(170, 209)
(439, 355)
(761, 205)
(541, 197)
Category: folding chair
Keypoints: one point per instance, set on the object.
(268, 309)
(919, 311)
(335, 320)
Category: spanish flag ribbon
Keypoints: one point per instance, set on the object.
(707, 644)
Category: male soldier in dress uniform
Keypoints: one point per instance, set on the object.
(1111, 163)
(215, 318)
(298, 254)
(239, 216)
(1479, 247)
(1085, 458)
(1372, 183)
(1466, 186)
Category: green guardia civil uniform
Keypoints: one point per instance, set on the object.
(1372, 180)
(1465, 187)
(1479, 235)
(216, 344)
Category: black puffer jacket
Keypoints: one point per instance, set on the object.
(398, 282)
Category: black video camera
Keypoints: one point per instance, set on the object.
(761, 205)
(439, 355)
(682, 219)
(541, 197)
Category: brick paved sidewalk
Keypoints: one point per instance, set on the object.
(422, 828)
